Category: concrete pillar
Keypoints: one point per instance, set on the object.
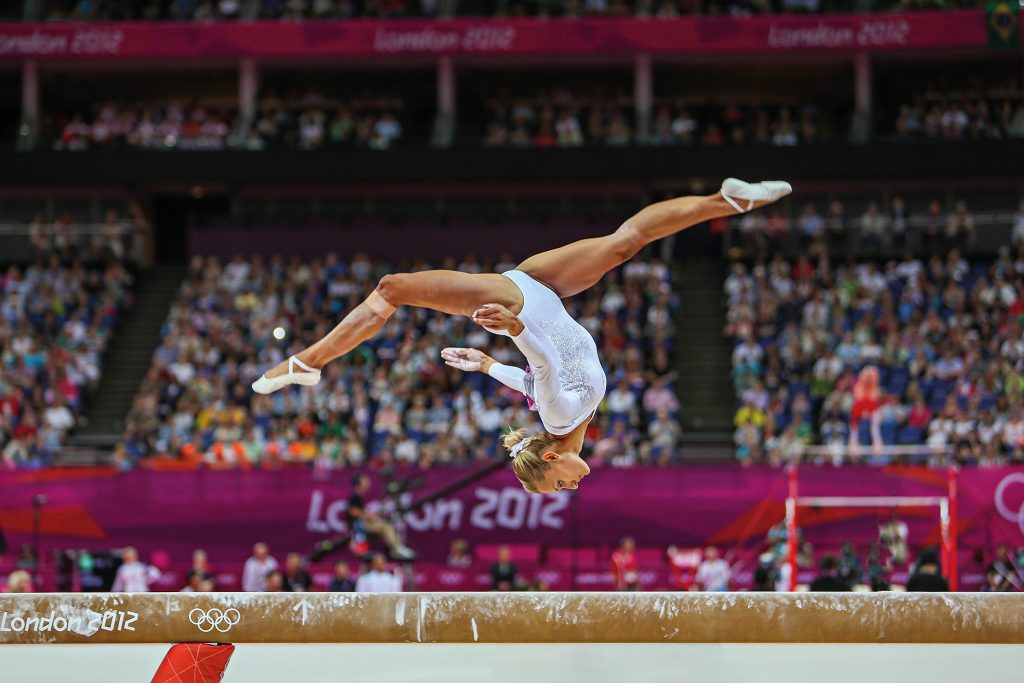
(643, 95)
(863, 98)
(445, 86)
(248, 88)
(30, 91)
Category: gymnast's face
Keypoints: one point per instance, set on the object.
(565, 470)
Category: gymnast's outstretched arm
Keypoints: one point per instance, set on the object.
(474, 360)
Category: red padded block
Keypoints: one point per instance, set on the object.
(194, 663)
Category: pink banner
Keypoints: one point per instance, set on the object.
(225, 512)
(374, 38)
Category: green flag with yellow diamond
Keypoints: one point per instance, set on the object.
(1003, 22)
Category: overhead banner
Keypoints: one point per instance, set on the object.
(317, 40)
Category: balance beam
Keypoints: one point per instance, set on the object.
(980, 618)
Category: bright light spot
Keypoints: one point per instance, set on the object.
(278, 333)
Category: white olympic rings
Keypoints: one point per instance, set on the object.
(208, 620)
(1004, 510)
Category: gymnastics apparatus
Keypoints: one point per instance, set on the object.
(493, 636)
(982, 618)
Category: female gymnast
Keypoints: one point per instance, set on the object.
(564, 380)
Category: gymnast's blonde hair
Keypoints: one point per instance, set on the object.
(527, 451)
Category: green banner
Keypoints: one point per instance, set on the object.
(1003, 22)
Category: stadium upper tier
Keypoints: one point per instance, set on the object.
(511, 37)
(298, 10)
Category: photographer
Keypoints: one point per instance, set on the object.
(361, 521)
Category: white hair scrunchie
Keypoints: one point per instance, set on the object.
(518, 448)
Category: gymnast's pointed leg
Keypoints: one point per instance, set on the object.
(447, 291)
(578, 266)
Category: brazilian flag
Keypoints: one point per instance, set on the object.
(1003, 22)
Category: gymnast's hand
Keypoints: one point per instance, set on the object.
(495, 317)
(467, 360)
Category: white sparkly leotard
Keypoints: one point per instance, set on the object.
(564, 381)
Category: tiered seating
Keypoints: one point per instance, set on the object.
(390, 399)
(943, 333)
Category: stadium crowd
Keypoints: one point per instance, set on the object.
(307, 122)
(553, 116)
(972, 112)
(299, 10)
(172, 126)
(944, 333)
(390, 399)
(312, 120)
(56, 318)
(565, 118)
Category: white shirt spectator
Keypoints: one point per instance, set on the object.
(388, 128)
(714, 575)
(746, 352)
(379, 582)
(488, 419)
(59, 418)
(811, 224)
(828, 367)
(134, 577)
(684, 125)
(621, 401)
(254, 573)
(1018, 229)
(909, 270)
(1013, 432)
(183, 372)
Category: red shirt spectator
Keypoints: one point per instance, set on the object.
(864, 409)
(10, 405)
(625, 570)
(803, 270)
(920, 415)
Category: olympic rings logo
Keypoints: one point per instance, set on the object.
(1004, 510)
(214, 619)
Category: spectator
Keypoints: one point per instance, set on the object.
(926, 576)
(200, 566)
(364, 522)
(377, 579)
(851, 569)
(812, 226)
(1017, 235)
(874, 228)
(133, 576)
(665, 434)
(194, 583)
(714, 573)
(1004, 572)
(296, 578)
(19, 581)
(273, 582)
(504, 573)
(257, 568)
(459, 555)
(659, 397)
(960, 229)
(625, 570)
(342, 581)
(828, 578)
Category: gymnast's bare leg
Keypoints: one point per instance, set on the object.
(567, 270)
